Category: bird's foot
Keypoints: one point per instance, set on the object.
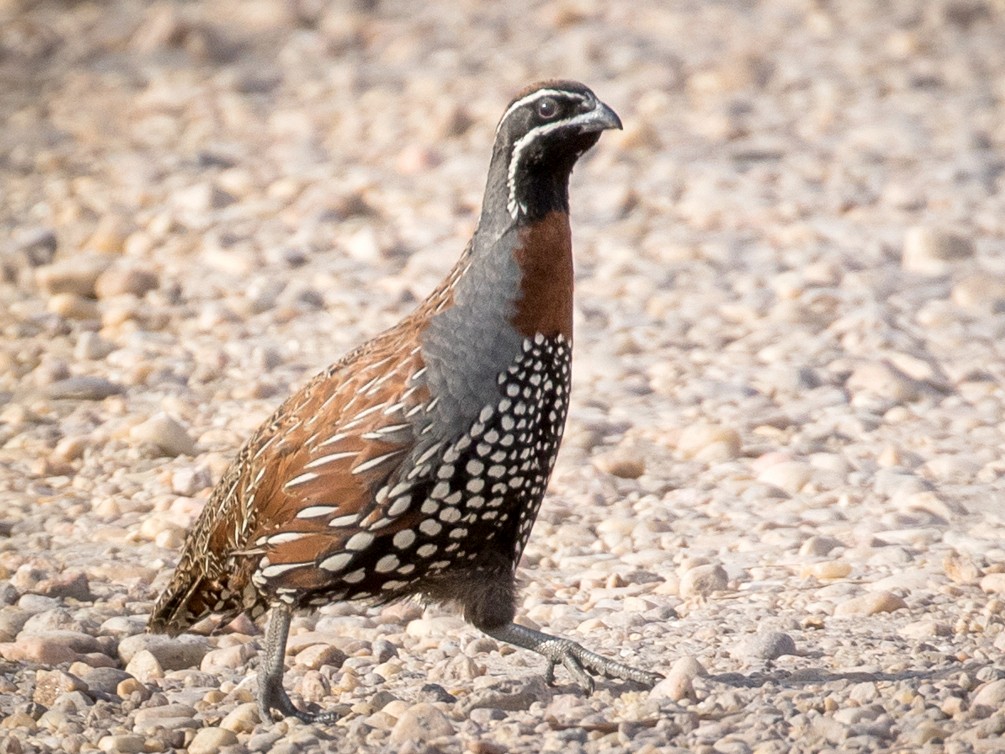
(272, 697)
(581, 663)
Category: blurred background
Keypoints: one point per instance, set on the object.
(790, 312)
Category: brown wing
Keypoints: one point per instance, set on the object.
(315, 475)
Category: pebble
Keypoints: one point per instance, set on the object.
(831, 569)
(76, 275)
(51, 684)
(165, 433)
(702, 581)
(507, 695)
(961, 569)
(173, 653)
(623, 463)
(145, 666)
(766, 645)
(83, 388)
(227, 658)
(931, 251)
(48, 650)
(122, 744)
(72, 306)
(124, 280)
(884, 380)
(678, 684)
(709, 443)
(990, 695)
(790, 476)
(211, 740)
(423, 722)
(106, 680)
(993, 583)
(870, 603)
(242, 719)
(983, 293)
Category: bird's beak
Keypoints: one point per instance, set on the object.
(600, 118)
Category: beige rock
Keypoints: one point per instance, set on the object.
(172, 652)
(931, 251)
(679, 682)
(703, 580)
(981, 293)
(127, 743)
(211, 740)
(227, 658)
(120, 280)
(50, 684)
(870, 603)
(165, 433)
(625, 463)
(961, 569)
(709, 442)
(73, 306)
(110, 235)
(77, 274)
(242, 719)
(144, 666)
(421, 722)
(993, 583)
(831, 569)
(44, 650)
(790, 476)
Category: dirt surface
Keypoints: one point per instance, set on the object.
(782, 481)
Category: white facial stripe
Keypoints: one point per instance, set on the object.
(531, 98)
(514, 160)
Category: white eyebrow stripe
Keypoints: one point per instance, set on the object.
(533, 96)
(514, 160)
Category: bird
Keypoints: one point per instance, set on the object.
(415, 465)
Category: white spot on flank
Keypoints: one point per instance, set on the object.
(387, 563)
(424, 551)
(430, 527)
(404, 538)
(359, 541)
(450, 515)
(355, 577)
(335, 523)
(336, 562)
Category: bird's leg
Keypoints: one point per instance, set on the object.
(271, 694)
(578, 660)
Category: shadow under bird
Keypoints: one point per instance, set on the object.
(416, 465)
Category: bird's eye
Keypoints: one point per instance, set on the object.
(547, 108)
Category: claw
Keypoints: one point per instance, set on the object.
(577, 660)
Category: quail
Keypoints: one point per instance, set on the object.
(415, 465)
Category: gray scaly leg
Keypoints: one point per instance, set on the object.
(578, 660)
(271, 695)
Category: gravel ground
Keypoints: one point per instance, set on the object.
(782, 484)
